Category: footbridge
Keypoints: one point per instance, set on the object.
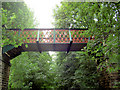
(51, 39)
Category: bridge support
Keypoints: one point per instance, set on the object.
(4, 70)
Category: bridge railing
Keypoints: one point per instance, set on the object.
(53, 35)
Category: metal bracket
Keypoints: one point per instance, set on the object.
(39, 49)
(68, 49)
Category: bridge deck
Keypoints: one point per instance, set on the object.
(53, 47)
(13, 52)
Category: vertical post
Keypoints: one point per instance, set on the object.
(38, 36)
(83, 39)
(88, 38)
(54, 35)
(70, 35)
(19, 33)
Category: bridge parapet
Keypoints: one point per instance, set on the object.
(53, 35)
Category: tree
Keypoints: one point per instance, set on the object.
(76, 70)
(102, 21)
(15, 15)
(31, 70)
(24, 17)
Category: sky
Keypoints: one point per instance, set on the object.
(43, 10)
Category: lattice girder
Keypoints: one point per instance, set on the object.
(53, 35)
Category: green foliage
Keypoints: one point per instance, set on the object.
(31, 70)
(76, 70)
(15, 15)
(102, 20)
(24, 16)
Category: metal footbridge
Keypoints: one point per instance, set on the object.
(53, 39)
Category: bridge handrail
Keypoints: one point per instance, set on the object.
(58, 35)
